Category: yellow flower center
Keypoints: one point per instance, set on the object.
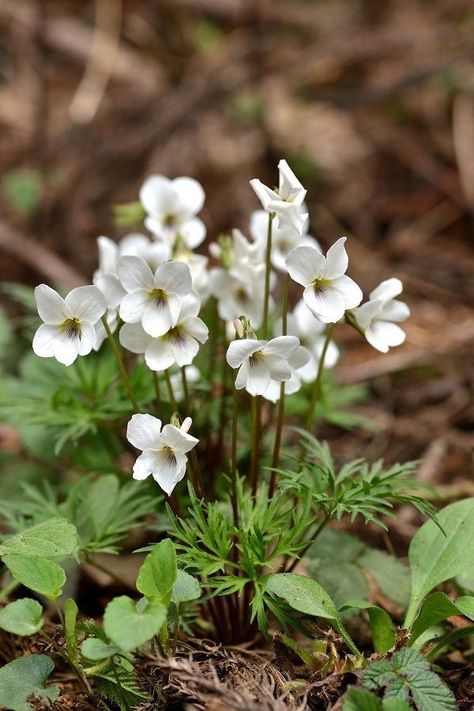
(72, 326)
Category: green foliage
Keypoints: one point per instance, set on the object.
(438, 607)
(306, 596)
(437, 555)
(130, 625)
(158, 572)
(70, 618)
(24, 678)
(341, 562)
(23, 189)
(42, 575)
(185, 588)
(362, 700)
(22, 617)
(54, 538)
(96, 649)
(103, 510)
(357, 489)
(408, 676)
(383, 629)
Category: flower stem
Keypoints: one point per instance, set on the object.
(184, 381)
(268, 270)
(317, 384)
(281, 402)
(235, 505)
(120, 365)
(156, 384)
(171, 396)
(256, 437)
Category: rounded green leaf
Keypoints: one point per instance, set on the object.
(129, 625)
(158, 572)
(186, 587)
(55, 538)
(39, 574)
(24, 678)
(438, 555)
(95, 649)
(22, 617)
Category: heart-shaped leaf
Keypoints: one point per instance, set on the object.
(158, 572)
(186, 587)
(129, 626)
(39, 574)
(438, 555)
(22, 617)
(95, 649)
(23, 678)
(55, 538)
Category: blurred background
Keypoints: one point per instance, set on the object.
(372, 104)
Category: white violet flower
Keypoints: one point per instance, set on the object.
(286, 202)
(378, 316)
(172, 206)
(297, 362)
(309, 330)
(238, 296)
(178, 346)
(163, 450)
(284, 239)
(328, 292)
(153, 299)
(259, 362)
(68, 328)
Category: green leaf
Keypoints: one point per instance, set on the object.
(25, 677)
(361, 700)
(55, 538)
(39, 574)
(307, 596)
(383, 630)
(391, 575)
(70, 616)
(186, 587)
(129, 626)
(408, 672)
(158, 572)
(438, 607)
(438, 555)
(95, 649)
(22, 617)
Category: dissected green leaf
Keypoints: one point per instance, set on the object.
(439, 555)
(55, 538)
(438, 607)
(158, 572)
(383, 630)
(408, 675)
(39, 574)
(186, 587)
(22, 617)
(129, 626)
(25, 677)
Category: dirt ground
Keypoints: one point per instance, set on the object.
(371, 103)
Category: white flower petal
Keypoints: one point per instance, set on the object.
(133, 306)
(264, 194)
(50, 305)
(134, 273)
(144, 432)
(178, 439)
(196, 328)
(350, 292)
(111, 289)
(144, 465)
(169, 472)
(193, 232)
(258, 377)
(185, 348)
(190, 194)
(282, 346)
(44, 340)
(66, 347)
(87, 338)
(133, 338)
(337, 260)
(383, 335)
(108, 251)
(174, 277)
(242, 376)
(304, 264)
(160, 316)
(87, 303)
(239, 350)
(327, 304)
(159, 355)
(395, 310)
(279, 369)
(290, 188)
(157, 195)
(388, 289)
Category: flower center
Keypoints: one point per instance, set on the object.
(168, 452)
(72, 326)
(170, 220)
(320, 284)
(158, 296)
(256, 358)
(178, 333)
(241, 296)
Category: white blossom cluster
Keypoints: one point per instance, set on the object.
(152, 288)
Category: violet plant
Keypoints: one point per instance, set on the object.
(206, 357)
